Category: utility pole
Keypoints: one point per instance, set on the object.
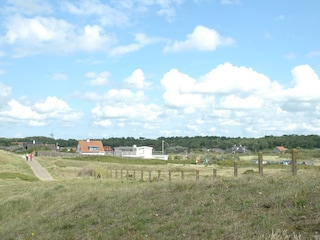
(162, 146)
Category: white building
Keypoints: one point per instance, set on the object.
(138, 152)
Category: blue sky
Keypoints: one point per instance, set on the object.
(151, 68)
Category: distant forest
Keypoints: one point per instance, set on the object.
(196, 143)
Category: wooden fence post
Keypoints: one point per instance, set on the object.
(235, 164)
(116, 173)
(159, 175)
(149, 175)
(141, 177)
(169, 176)
(197, 175)
(214, 173)
(134, 174)
(294, 162)
(182, 175)
(121, 173)
(260, 162)
(127, 174)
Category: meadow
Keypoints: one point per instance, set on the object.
(77, 205)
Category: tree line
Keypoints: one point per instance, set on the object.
(181, 144)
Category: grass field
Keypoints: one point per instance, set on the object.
(80, 206)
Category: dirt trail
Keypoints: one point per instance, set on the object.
(39, 171)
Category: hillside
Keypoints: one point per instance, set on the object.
(276, 206)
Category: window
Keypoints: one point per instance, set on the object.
(93, 148)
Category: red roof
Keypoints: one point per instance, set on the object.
(108, 148)
(89, 146)
(281, 148)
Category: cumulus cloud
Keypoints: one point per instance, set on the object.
(242, 99)
(137, 80)
(305, 84)
(40, 113)
(32, 27)
(125, 106)
(123, 96)
(226, 78)
(40, 34)
(138, 112)
(201, 39)
(234, 102)
(19, 113)
(240, 86)
(94, 38)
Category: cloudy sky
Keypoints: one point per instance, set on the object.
(151, 68)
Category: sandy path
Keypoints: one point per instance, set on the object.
(39, 171)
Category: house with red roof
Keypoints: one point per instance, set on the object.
(279, 150)
(90, 147)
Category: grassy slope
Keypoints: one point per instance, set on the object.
(13, 167)
(247, 207)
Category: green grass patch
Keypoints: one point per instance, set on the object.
(21, 176)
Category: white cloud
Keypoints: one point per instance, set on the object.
(178, 88)
(98, 79)
(136, 80)
(107, 15)
(50, 105)
(138, 112)
(125, 106)
(102, 123)
(226, 78)
(94, 39)
(241, 87)
(37, 35)
(306, 84)
(243, 99)
(40, 113)
(201, 39)
(141, 40)
(35, 30)
(166, 8)
(19, 113)
(123, 96)
(234, 102)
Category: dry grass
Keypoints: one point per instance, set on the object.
(276, 206)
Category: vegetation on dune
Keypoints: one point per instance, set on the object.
(247, 208)
(276, 206)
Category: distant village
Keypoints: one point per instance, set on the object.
(96, 147)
